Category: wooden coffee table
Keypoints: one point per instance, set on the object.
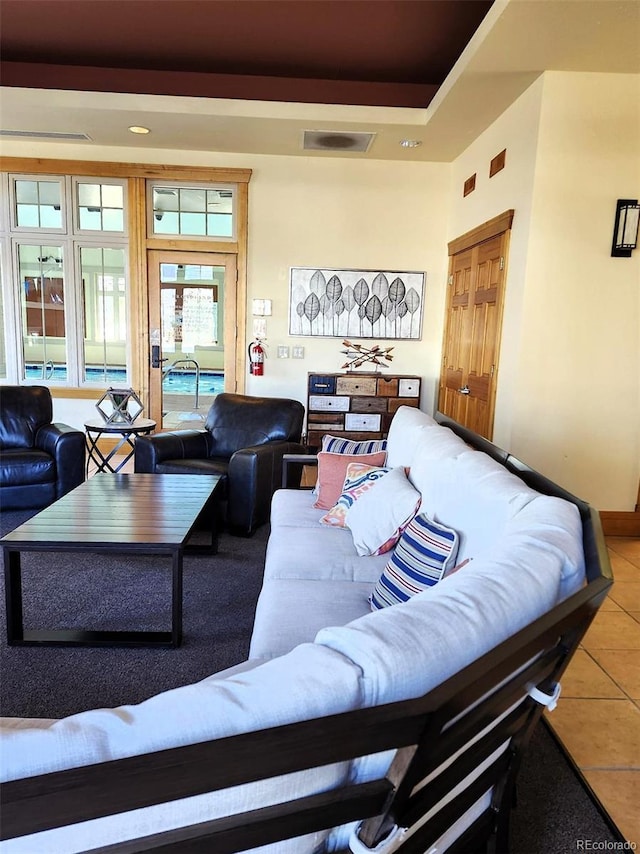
(114, 513)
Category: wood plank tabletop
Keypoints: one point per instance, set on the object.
(140, 510)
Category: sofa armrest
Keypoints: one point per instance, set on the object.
(67, 447)
(254, 475)
(298, 462)
(177, 445)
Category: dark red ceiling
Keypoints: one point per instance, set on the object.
(379, 52)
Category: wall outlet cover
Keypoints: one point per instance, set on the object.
(298, 352)
(283, 351)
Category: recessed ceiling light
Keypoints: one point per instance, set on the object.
(138, 129)
(410, 143)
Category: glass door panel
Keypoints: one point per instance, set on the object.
(187, 335)
(42, 304)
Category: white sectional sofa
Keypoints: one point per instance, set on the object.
(320, 656)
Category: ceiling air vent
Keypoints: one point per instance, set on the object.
(329, 140)
(44, 134)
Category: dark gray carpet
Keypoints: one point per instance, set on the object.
(97, 591)
(554, 808)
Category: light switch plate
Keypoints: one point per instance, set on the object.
(297, 353)
(259, 327)
(283, 351)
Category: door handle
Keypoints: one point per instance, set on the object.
(464, 390)
(156, 360)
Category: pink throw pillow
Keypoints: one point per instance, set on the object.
(332, 470)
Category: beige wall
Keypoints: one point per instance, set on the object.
(580, 348)
(569, 386)
(338, 213)
(512, 188)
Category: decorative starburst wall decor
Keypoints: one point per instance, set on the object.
(359, 355)
(356, 303)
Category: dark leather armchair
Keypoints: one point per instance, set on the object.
(244, 439)
(39, 461)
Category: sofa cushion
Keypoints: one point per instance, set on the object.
(311, 550)
(552, 524)
(425, 551)
(332, 470)
(293, 611)
(312, 681)
(404, 430)
(358, 480)
(472, 494)
(380, 515)
(407, 650)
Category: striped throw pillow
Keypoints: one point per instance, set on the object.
(335, 445)
(424, 553)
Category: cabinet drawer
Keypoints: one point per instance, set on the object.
(356, 385)
(368, 404)
(325, 418)
(322, 384)
(328, 403)
(388, 386)
(409, 388)
(364, 423)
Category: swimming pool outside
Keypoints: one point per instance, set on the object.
(177, 382)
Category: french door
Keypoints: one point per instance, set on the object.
(192, 334)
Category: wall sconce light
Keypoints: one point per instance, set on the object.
(625, 229)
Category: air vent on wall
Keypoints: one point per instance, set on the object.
(44, 134)
(329, 140)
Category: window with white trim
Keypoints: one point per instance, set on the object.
(64, 280)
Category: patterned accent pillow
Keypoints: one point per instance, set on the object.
(425, 552)
(359, 478)
(335, 445)
(332, 470)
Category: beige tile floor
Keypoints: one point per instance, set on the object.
(598, 715)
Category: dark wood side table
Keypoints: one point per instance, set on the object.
(96, 429)
(117, 514)
(296, 460)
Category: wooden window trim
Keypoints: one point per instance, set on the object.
(139, 243)
(106, 169)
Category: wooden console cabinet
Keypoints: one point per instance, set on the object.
(356, 405)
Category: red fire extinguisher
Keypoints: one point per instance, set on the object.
(256, 358)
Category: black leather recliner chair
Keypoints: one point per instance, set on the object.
(39, 461)
(244, 439)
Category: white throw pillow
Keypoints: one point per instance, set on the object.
(379, 516)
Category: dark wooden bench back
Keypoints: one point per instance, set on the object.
(482, 717)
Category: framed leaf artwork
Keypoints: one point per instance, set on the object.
(355, 303)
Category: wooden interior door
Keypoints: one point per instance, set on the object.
(471, 346)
